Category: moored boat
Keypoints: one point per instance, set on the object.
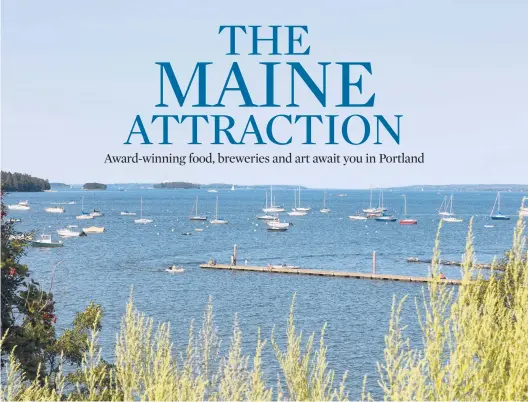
(21, 206)
(272, 208)
(217, 220)
(70, 233)
(142, 220)
(83, 215)
(406, 220)
(54, 210)
(498, 215)
(94, 229)
(195, 216)
(325, 210)
(126, 213)
(45, 241)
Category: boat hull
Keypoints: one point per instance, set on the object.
(198, 218)
(500, 218)
(408, 222)
(45, 245)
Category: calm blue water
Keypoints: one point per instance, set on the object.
(105, 267)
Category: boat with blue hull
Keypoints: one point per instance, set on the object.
(498, 215)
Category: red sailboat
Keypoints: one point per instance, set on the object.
(406, 221)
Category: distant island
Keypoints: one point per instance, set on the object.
(20, 182)
(59, 185)
(94, 186)
(176, 184)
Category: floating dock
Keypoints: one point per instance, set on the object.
(319, 272)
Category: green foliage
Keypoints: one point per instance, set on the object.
(14, 182)
(94, 186)
(176, 184)
(475, 340)
(28, 318)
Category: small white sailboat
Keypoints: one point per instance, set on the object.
(21, 206)
(217, 220)
(54, 210)
(272, 208)
(324, 210)
(498, 216)
(299, 208)
(369, 210)
(296, 211)
(141, 219)
(451, 217)
(443, 210)
(233, 187)
(84, 215)
(95, 212)
(195, 216)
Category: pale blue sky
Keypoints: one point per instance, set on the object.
(74, 75)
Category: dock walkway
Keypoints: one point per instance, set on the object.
(319, 272)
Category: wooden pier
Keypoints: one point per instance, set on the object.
(319, 272)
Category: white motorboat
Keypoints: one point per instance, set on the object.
(126, 213)
(272, 208)
(212, 191)
(83, 215)
(94, 229)
(21, 206)
(45, 241)
(278, 225)
(55, 210)
(142, 220)
(195, 216)
(69, 233)
(175, 269)
(325, 210)
(217, 220)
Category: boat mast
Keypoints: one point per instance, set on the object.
(141, 209)
(370, 205)
(294, 199)
(404, 205)
(216, 216)
(299, 196)
(451, 204)
(324, 199)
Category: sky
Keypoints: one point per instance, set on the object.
(75, 75)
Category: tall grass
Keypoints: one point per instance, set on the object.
(474, 347)
(474, 339)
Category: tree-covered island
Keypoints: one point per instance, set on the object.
(21, 182)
